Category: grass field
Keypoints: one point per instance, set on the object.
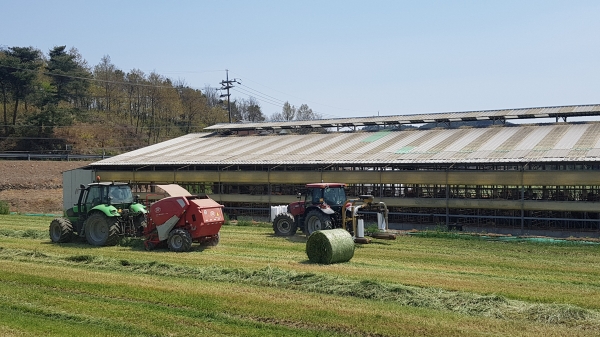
(255, 284)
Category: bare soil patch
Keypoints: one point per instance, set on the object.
(34, 186)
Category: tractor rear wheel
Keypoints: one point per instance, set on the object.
(179, 240)
(316, 220)
(101, 230)
(61, 230)
(284, 225)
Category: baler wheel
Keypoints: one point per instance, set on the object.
(61, 230)
(179, 240)
(284, 225)
(316, 220)
(101, 230)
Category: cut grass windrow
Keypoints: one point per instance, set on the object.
(30, 312)
(26, 234)
(107, 327)
(431, 298)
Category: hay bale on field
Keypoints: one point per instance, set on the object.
(330, 246)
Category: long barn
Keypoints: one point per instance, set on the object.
(510, 177)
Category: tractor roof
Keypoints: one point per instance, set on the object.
(107, 183)
(325, 185)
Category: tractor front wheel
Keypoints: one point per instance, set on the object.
(101, 230)
(284, 225)
(316, 220)
(61, 230)
(179, 240)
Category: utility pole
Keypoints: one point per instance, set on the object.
(226, 85)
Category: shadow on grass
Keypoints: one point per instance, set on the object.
(134, 243)
(382, 243)
(297, 238)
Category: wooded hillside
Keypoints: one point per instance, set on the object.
(60, 103)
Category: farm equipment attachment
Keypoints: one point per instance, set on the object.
(180, 220)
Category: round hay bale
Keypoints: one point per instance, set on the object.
(330, 246)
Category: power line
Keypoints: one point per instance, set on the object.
(192, 71)
(91, 79)
(226, 85)
(274, 101)
(259, 97)
(262, 94)
(325, 105)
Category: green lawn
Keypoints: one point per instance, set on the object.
(255, 284)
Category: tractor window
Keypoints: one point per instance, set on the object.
(120, 194)
(93, 197)
(313, 196)
(334, 196)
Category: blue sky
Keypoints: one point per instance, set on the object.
(342, 58)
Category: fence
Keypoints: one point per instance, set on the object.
(50, 156)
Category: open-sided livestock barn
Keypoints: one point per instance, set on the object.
(525, 177)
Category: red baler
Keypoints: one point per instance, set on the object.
(181, 220)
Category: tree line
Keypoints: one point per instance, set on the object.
(59, 102)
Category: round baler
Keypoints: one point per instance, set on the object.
(180, 220)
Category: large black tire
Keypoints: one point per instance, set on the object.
(316, 220)
(101, 230)
(61, 230)
(284, 225)
(179, 240)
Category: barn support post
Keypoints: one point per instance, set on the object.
(219, 185)
(448, 196)
(447, 200)
(269, 186)
(381, 169)
(523, 199)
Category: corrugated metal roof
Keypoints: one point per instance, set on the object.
(519, 143)
(500, 115)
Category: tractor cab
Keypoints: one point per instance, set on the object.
(330, 194)
(109, 193)
(119, 195)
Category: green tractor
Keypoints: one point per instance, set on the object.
(105, 211)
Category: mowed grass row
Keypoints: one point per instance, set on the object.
(124, 290)
(548, 273)
(39, 301)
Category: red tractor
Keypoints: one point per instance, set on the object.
(326, 206)
(321, 209)
(178, 221)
